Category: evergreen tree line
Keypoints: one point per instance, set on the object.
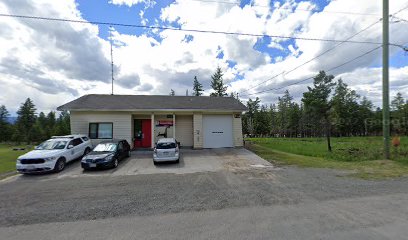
(31, 127)
(217, 84)
(328, 108)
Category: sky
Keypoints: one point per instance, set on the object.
(55, 62)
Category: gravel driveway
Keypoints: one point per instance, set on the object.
(241, 184)
(140, 162)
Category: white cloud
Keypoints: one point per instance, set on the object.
(59, 61)
(129, 3)
(330, 26)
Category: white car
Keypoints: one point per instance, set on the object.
(166, 149)
(53, 154)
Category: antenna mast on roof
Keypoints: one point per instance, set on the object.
(110, 40)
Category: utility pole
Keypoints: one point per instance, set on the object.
(386, 87)
(110, 38)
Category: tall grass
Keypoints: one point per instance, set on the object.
(8, 157)
(344, 148)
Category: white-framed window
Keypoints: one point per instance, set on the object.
(101, 130)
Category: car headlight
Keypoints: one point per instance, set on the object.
(108, 158)
(50, 158)
(18, 160)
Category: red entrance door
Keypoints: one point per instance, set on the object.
(146, 133)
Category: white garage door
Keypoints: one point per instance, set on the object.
(217, 131)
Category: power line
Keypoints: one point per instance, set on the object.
(400, 46)
(328, 50)
(309, 78)
(180, 29)
(314, 58)
(289, 8)
(398, 19)
(402, 9)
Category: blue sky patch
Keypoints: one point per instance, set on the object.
(188, 38)
(220, 54)
(102, 11)
(231, 63)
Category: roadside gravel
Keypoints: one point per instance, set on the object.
(30, 200)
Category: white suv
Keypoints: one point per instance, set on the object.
(53, 154)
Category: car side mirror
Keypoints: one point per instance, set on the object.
(70, 146)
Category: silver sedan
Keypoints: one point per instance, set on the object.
(166, 149)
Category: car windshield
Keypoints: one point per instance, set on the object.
(166, 145)
(105, 147)
(51, 145)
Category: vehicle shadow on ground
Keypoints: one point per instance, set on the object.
(68, 167)
(170, 164)
(96, 171)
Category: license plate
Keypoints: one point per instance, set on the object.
(30, 167)
(166, 153)
(92, 165)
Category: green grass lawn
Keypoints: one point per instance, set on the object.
(8, 157)
(362, 155)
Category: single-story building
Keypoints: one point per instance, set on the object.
(197, 122)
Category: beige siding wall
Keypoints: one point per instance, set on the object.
(122, 123)
(184, 130)
(237, 130)
(189, 128)
(198, 130)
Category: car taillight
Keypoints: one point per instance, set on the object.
(177, 150)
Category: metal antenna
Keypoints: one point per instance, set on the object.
(110, 40)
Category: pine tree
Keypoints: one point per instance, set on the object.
(41, 125)
(197, 87)
(51, 121)
(218, 85)
(253, 107)
(5, 128)
(398, 102)
(344, 108)
(26, 120)
(62, 126)
(172, 93)
(398, 113)
(317, 101)
(366, 114)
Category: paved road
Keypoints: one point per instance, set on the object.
(365, 218)
(238, 201)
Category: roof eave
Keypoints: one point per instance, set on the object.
(154, 110)
(151, 110)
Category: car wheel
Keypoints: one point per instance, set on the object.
(177, 161)
(154, 162)
(87, 150)
(115, 163)
(59, 165)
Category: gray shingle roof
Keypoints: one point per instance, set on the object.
(147, 102)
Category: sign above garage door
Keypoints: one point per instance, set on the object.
(165, 123)
(217, 131)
